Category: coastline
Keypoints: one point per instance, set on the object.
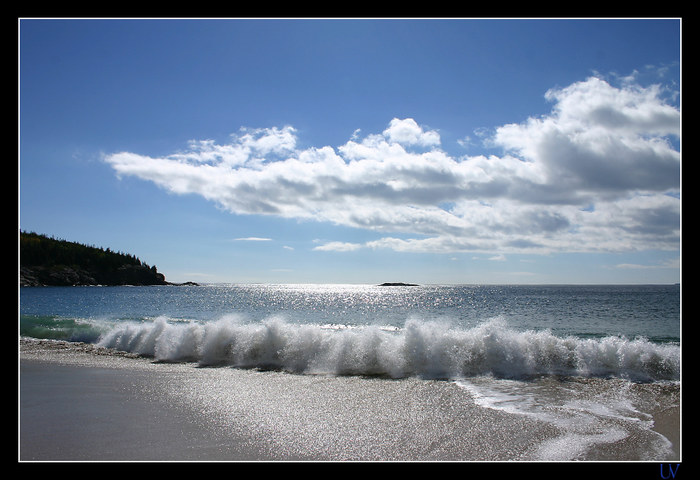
(81, 403)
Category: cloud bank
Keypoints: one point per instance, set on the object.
(598, 173)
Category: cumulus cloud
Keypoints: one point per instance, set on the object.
(408, 132)
(599, 173)
(600, 140)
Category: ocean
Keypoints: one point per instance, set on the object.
(586, 372)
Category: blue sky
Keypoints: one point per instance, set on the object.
(358, 151)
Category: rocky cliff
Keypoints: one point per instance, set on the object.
(46, 261)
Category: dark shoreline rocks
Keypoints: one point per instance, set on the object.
(67, 276)
(48, 262)
(398, 284)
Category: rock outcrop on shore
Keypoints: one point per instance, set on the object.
(66, 275)
(46, 261)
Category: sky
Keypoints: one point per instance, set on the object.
(432, 151)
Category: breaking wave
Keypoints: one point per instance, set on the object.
(419, 348)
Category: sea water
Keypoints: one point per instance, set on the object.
(592, 362)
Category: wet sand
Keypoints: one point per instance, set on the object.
(83, 406)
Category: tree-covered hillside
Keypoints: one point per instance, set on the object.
(48, 261)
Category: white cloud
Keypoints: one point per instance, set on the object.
(675, 263)
(338, 247)
(265, 141)
(408, 132)
(600, 140)
(253, 239)
(594, 175)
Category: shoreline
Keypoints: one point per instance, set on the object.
(82, 403)
(89, 413)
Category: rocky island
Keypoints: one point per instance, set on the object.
(46, 261)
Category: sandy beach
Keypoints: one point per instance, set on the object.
(85, 406)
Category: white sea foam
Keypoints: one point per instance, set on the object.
(428, 349)
(585, 416)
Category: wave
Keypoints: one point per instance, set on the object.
(419, 348)
(62, 328)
